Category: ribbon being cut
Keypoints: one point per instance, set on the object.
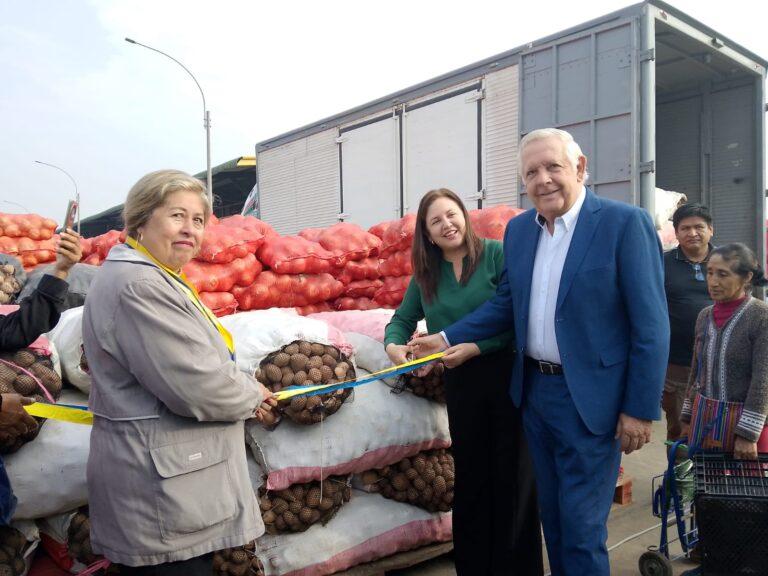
(81, 415)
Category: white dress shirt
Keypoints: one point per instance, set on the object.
(545, 282)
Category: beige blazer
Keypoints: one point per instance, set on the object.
(167, 474)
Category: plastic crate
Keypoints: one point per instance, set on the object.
(732, 514)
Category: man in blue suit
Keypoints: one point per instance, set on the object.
(584, 291)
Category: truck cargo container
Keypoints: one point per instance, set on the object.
(654, 97)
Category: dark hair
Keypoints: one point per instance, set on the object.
(742, 261)
(692, 210)
(427, 257)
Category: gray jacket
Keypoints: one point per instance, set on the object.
(167, 473)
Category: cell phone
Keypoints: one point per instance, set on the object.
(69, 218)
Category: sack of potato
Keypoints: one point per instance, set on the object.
(431, 386)
(67, 336)
(48, 475)
(26, 372)
(426, 480)
(237, 561)
(17, 545)
(10, 285)
(303, 363)
(300, 506)
(67, 540)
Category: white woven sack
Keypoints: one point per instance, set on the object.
(67, 336)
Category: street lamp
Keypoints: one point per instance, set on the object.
(77, 194)
(206, 116)
(17, 204)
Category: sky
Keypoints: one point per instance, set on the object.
(73, 93)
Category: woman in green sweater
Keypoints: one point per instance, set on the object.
(495, 518)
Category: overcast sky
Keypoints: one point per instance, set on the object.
(75, 94)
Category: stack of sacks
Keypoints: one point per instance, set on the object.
(357, 265)
(299, 276)
(395, 266)
(492, 222)
(29, 237)
(226, 262)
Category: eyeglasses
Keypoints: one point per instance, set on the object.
(698, 273)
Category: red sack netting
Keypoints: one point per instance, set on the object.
(362, 288)
(29, 226)
(101, 245)
(347, 303)
(29, 252)
(93, 259)
(220, 303)
(86, 247)
(223, 243)
(491, 222)
(366, 269)
(398, 264)
(272, 290)
(296, 255)
(207, 277)
(381, 228)
(248, 223)
(313, 308)
(398, 235)
(311, 234)
(348, 242)
(392, 292)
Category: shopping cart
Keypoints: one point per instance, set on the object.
(673, 502)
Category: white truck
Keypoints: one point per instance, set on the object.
(655, 98)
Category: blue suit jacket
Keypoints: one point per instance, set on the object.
(611, 317)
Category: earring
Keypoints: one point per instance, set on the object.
(140, 237)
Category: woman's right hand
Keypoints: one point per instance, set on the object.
(398, 353)
(265, 413)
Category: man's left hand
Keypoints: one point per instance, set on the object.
(68, 253)
(633, 433)
(744, 449)
(457, 355)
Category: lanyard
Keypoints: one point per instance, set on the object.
(191, 293)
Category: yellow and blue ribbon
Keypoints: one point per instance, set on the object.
(77, 414)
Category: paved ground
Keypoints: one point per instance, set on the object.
(624, 521)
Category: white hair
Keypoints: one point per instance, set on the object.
(572, 149)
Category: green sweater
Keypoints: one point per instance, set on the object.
(452, 302)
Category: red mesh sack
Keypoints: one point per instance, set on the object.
(349, 242)
(9, 245)
(34, 252)
(220, 303)
(380, 229)
(399, 235)
(103, 244)
(348, 303)
(360, 288)
(311, 234)
(366, 269)
(314, 308)
(492, 222)
(86, 247)
(207, 277)
(272, 290)
(248, 223)
(296, 255)
(27, 226)
(398, 264)
(222, 244)
(392, 291)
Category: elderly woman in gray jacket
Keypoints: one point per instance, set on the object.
(167, 475)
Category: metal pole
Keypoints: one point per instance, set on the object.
(647, 114)
(206, 116)
(77, 194)
(208, 156)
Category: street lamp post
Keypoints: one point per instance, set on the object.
(206, 116)
(16, 204)
(77, 194)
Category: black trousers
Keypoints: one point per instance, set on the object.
(496, 529)
(198, 566)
